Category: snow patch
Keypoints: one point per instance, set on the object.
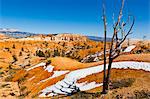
(129, 48)
(38, 65)
(89, 86)
(49, 68)
(56, 74)
(71, 78)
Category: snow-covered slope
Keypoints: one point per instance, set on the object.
(68, 84)
(129, 48)
(56, 74)
(38, 65)
(49, 68)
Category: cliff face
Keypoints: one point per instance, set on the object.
(58, 37)
(70, 37)
(14, 33)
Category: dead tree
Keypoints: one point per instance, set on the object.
(105, 32)
(116, 42)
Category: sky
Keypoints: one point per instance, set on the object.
(72, 16)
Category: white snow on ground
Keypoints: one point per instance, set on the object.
(56, 74)
(81, 73)
(38, 65)
(88, 86)
(129, 48)
(49, 68)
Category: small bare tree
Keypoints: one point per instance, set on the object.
(116, 42)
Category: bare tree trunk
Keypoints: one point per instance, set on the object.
(108, 73)
(105, 32)
(110, 60)
(115, 46)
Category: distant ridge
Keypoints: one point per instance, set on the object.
(15, 33)
(96, 38)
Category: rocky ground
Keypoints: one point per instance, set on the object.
(29, 67)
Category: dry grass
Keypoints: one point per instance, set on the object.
(29, 48)
(134, 57)
(9, 90)
(63, 63)
(33, 79)
(141, 82)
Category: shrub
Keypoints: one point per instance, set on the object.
(10, 66)
(35, 95)
(15, 58)
(23, 88)
(56, 53)
(24, 94)
(46, 44)
(22, 79)
(8, 49)
(143, 94)
(120, 96)
(4, 85)
(13, 46)
(47, 54)
(62, 53)
(11, 72)
(122, 83)
(1, 73)
(48, 62)
(85, 95)
(8, 79)
(22, 49)
(20, 53)
(12, 94)
(27, 93)
(40, 53)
